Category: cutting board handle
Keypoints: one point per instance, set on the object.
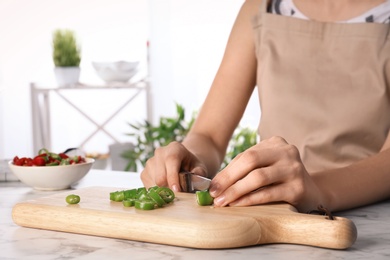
(306, 229)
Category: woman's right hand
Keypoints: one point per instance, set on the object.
(164, 167)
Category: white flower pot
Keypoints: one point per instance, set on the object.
(67, 76)
(118, 163)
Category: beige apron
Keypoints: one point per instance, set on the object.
(324, 87)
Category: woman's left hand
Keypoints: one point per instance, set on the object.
(271, 171)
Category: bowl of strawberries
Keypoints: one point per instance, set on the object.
(50, 171)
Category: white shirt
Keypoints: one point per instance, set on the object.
(378, 14)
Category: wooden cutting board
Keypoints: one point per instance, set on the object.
(183, 222)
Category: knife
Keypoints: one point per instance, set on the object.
(191, 183)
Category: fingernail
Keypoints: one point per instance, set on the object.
(219, 201)
(175, 188)
(214, 190)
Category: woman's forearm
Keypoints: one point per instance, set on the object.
(361, 183)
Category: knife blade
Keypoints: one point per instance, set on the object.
(191, 183)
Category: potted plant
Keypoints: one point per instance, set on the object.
(242, 139)
(66, 57)
(149, 137)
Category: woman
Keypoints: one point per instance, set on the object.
(323, 74)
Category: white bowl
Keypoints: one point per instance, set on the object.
(51, 177)
(119, 71)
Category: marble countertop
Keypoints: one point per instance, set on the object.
(372, 222)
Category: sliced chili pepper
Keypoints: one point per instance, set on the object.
(153, 188)
(130, 194)
(112, 196)
(144, 199)
(166, 193)
(144, 205)
(204, 198)
(72, 199)
(141, 190)
(42, 151)
(55, 163)
(65, 162)
(117, 196)
(55, 156)
(128, 202)
(76, 158)
(157, 198)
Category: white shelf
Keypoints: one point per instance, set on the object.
(40, 103)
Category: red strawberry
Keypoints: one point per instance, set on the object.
(39, 161)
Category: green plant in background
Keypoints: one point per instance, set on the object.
(66, 52)
(149, 137)
(242, 139)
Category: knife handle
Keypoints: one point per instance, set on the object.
(185, 182)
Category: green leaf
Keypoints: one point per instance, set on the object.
(66, 52)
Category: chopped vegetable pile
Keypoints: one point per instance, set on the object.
(46, 158)
(142, 198)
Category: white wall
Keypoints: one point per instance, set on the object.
(1, 119)
(188, 40)
(107, 30)
(187, 43)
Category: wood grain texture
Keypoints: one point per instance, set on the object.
(183, 222)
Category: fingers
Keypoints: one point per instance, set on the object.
(254, 181)
(265, 195)
(264, 154)
(264, 185)
(173, 167)
(163, 168)
(269, 171)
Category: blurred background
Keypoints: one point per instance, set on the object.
(186, 39)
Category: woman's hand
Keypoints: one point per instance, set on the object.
(270, 171)
(163, 168)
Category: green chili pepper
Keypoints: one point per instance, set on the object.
(117, 196)
(157, 198)
(72, 199)
(76, 158)
(166, 193)
(128, 202)
(55, 156)
(141, 191)
(204, 198)
(112, 196)
(55, 163)
(144, 205)
(153, 188)
(143, 198)
(42, 151)
(130, 194)
(65, 162)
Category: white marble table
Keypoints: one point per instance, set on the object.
(372, 222)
